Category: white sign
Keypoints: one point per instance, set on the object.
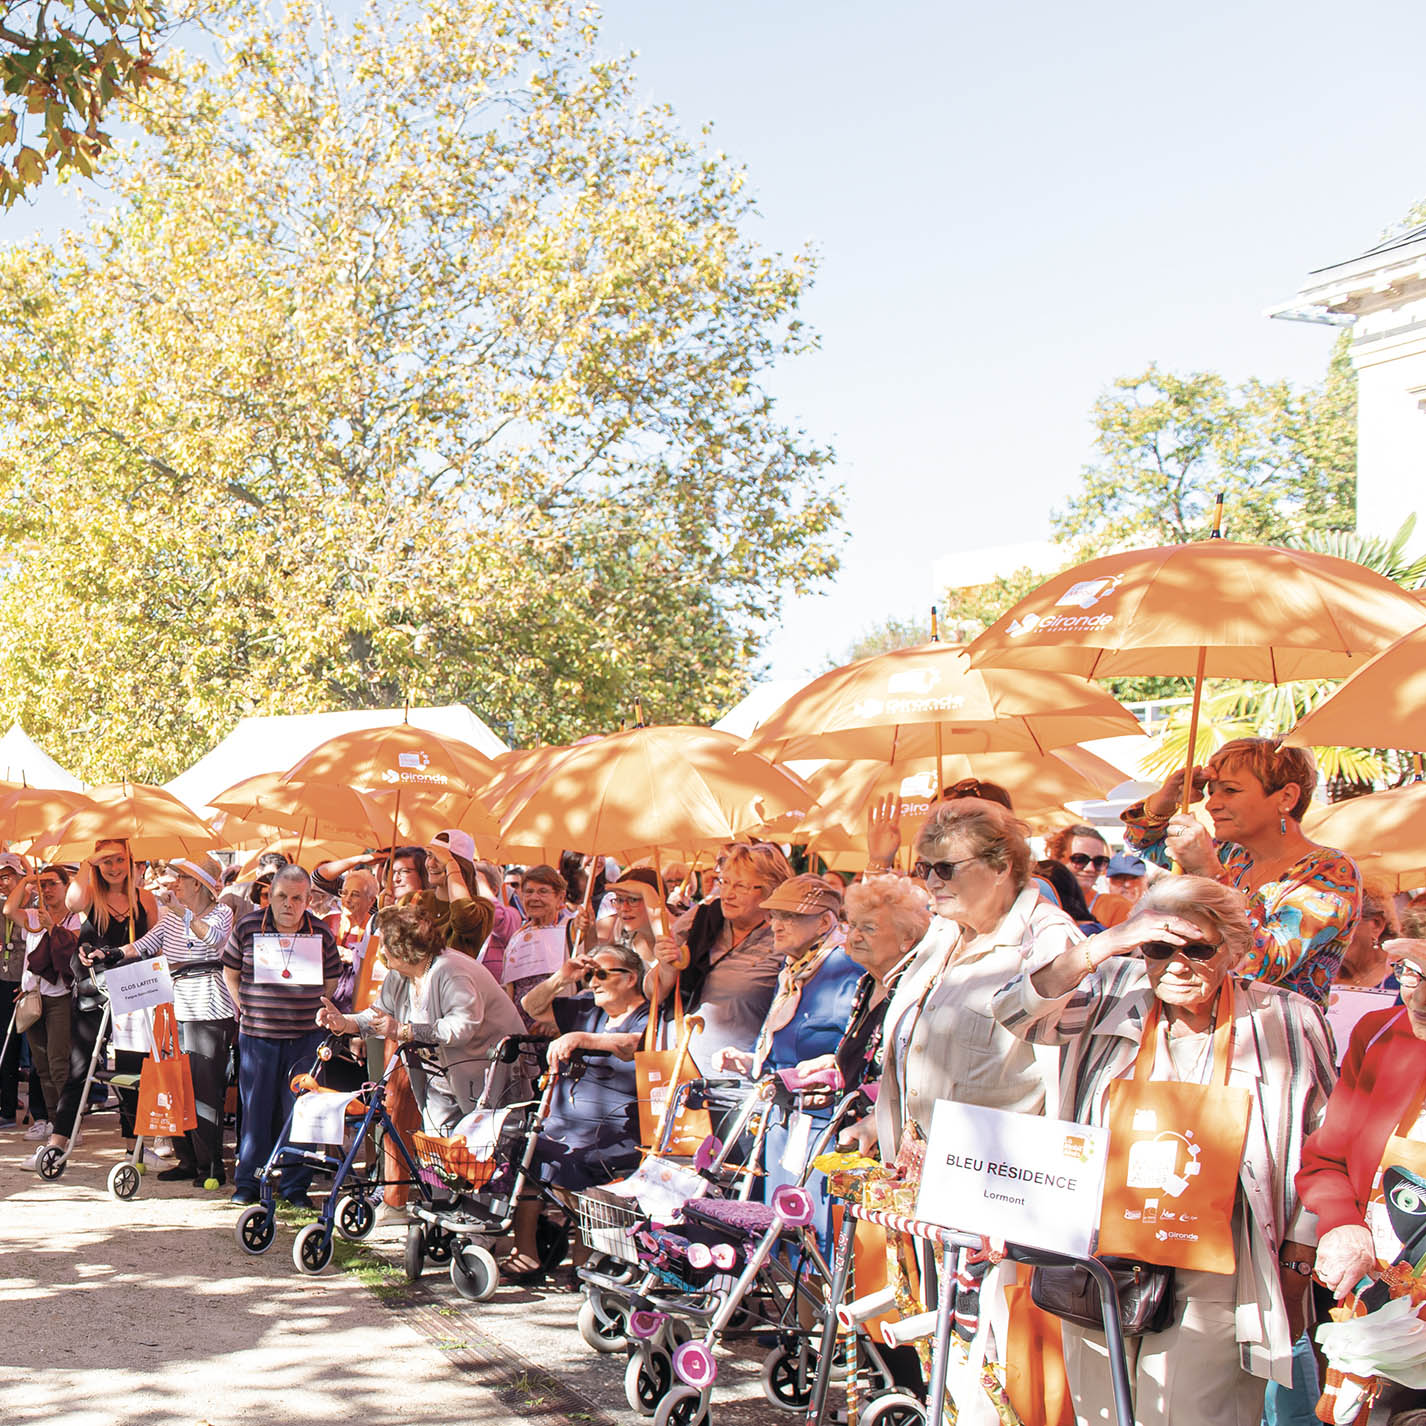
(533, 950)
(1346, 1004)
(1016, 1178)
(320, 1116)
(287, 960)
(138, 985)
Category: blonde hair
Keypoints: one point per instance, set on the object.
(99, 912)
(902, 898)
(1273, 765)
(762, 861)
(1221, 906)
(996, 836)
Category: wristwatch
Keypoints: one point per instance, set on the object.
(1302, 1266)
(403, 1034)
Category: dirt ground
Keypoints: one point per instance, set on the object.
(148, 1312)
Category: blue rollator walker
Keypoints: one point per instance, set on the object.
(350, 1206)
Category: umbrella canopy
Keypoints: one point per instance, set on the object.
(1384, 831)
(1215, 607)
(436, 780)
(31, 813)
(153, 822)
(314, 810)
(1380, 706)
(1039, 786)
(521, 769)
(675, 789)
(914, 703)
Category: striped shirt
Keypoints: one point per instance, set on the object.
(197, 995)
(277, 1011)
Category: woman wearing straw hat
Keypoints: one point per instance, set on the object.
(192, 941)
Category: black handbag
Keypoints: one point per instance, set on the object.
(1145, 1295)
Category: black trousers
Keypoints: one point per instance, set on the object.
(207, 1043)
(10, 1064)
(83, 1035)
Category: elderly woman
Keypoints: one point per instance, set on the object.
(1169, 973)
(591, 1134)
(1303, 899)
(1374, 1123)
(192, 939)
(722, 956)
(432, 997)
(1365, 964)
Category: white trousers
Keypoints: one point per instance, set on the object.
(1188, 1375)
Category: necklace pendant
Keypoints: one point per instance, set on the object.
(286, 974)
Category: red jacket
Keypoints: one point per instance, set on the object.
(1383, 1071)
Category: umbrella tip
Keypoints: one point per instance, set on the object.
(935, 627)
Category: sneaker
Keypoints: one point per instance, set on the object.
(389, 1215)
(244, 1197)
(161, 1148)
(8, 1122)
(32, 1163)
(40, 1129)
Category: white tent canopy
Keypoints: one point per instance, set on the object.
(273, 744)
(22, 759)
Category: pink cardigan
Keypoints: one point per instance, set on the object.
(1383, 1071)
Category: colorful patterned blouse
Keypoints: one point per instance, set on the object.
(1302, 921)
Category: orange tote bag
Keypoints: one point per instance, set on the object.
(1174, 1154)
(658, 1073)
(166, 1103)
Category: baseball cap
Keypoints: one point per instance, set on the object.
(805, 895)
(1126, 864)
(10, 862)
(461, 843)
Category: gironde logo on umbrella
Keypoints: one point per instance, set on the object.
(411, 767)
(1083, 595)
(909, 691)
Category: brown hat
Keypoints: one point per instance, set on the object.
(805, 895)
(642, 880)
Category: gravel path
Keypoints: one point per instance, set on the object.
(147, 1312)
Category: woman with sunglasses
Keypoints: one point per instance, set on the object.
(1304, 899)
(1084, 851)
(1169, 972)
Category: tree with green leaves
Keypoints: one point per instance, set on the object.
(1167, 444)
(63, 67)
(418, 360)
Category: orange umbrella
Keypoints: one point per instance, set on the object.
(674, 789)
(1039, 786)
(928, 701)
(520, 768)
(314, 809)
(1380, 706)
(1384, 831)
(29, 813)
(1211, 609)
(153, 822)
(438, 779)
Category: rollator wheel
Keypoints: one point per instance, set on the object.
(647, 1380)
(551, 1241)
(600, 1330)
(898, 1409)
(785, 1379)
(49, 1163)
(123, 1181)
(255, 1229)
(355, 1217)
(683, 1406)
(439, 1246)
(474, 1273)
(414, 1258)
(312, 1248)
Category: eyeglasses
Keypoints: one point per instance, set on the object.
(627, 901)
(1194, 950)
(745, 888)
(49, 885)
(1079, 861)
(1408, 977)
(945, 871)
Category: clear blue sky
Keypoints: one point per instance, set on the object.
(1014, 205)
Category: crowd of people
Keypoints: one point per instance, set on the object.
(981, 974)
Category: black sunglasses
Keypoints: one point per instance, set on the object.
(1194, 950)
(602, 974)
(945, 871)
(1079, 861)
